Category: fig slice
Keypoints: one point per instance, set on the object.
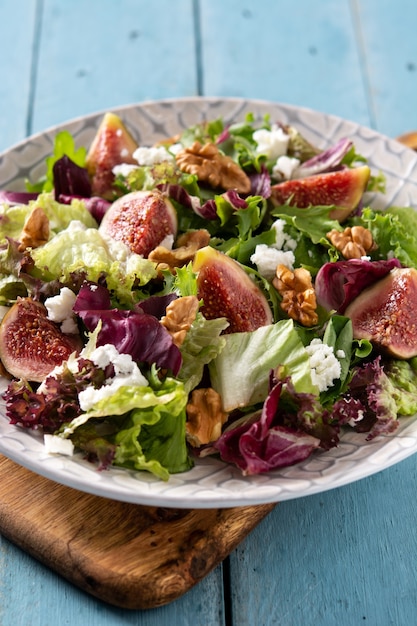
(141, 220)
(343, 189)
(112, 145)
(31, 345)
(385, 313)
(227, 291)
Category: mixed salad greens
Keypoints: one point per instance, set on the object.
(272, 396)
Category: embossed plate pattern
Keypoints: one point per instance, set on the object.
(211, 483)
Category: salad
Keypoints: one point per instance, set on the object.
(209, 295)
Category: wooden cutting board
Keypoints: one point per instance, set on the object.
(131, 556)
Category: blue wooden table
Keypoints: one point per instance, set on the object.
(347, 556)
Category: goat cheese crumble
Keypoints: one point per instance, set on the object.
(273, 143)
(54, 444)
(152, 156)
(325, 367)
(266, 258)
(59, 310)
(127, 373)
(285, 167)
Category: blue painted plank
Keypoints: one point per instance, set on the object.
(32, 594)
(99, 54)
(344, 557)
(17, 37)
(388, 35)
(304, 54)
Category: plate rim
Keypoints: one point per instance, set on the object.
(214, 501)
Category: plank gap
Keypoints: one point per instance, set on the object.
(37, 34)
(198, 46)
(227, 592)
(364, 66)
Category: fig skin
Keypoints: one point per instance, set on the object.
(386, 314)
(343, 188)
(31, 345)
(112, 145)
(141, 220)
(227, 291)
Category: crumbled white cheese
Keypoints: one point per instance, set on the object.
(283, 241)
(123, 169)
(59, 310)
(75, 226)
(57, 445)
(175, 148)
(266, 258)
(127, 373)
(325, 367)
(152, 156)
(273, 143)
(284, 167)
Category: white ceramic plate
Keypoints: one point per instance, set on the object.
(212, 483)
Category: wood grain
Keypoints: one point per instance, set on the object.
(130, 556)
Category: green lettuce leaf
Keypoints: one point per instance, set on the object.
(394, 230)
(201, 345)
(12, 218)
(403, 378)
(78, 250)
(152, 435)
(240, 373)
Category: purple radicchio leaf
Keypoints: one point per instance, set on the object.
(180, 195)
(260, 183)
(233, 198)
(257, 444)
(132, 332)
(156, 305)
(70, 179)
(17, 197)
(338, 284)
(325, 161)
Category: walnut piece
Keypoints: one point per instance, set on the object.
(180, 314)
(353, 243)
(213, 167)
(205, 417)
(298, 295)
(35, 230)
(186, 247)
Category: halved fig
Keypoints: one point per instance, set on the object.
(385, 313)
(30, 344)
(141, 220)
(342, 189)
(112, 145)
(227, 291)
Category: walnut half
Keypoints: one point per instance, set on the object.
(180, 314)
(353, 243)
(212, 167)
(205, 417)
(187, 245)
(298, 295)
(35, 229)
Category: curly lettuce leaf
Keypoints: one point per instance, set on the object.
(393, 230)
(84, 251)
